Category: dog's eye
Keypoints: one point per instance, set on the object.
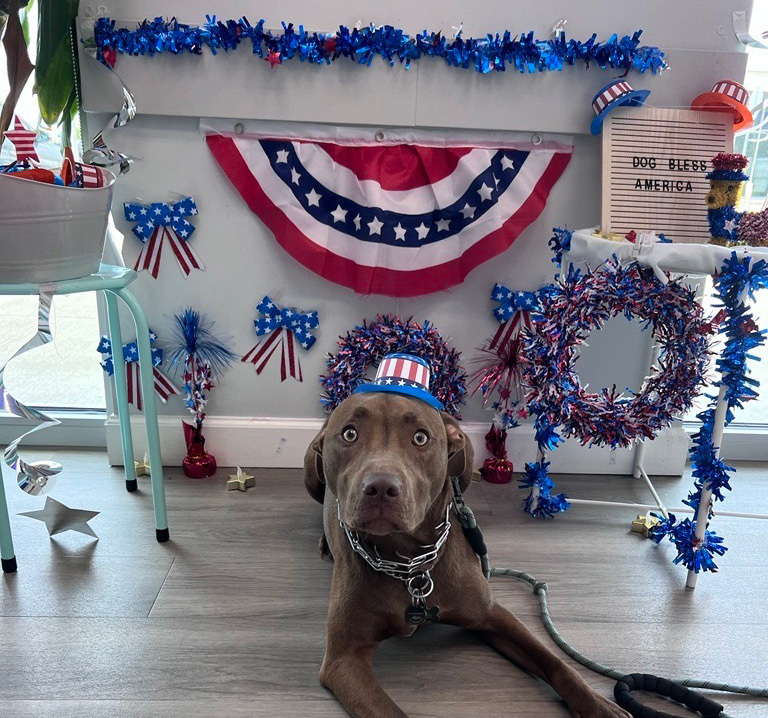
(349, 434)
(420, 438)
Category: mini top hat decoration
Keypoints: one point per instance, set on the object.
(616, 94)
(403, 374)
(727, 96)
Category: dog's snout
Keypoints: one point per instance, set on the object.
(382, 486)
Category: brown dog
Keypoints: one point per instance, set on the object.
(381, 466)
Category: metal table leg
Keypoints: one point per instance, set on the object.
(121, 391)
(150, 412)
(7, 555)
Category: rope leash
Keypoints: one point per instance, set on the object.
(677, 690)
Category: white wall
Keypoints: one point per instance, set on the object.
(244, 262)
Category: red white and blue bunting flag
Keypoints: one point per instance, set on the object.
(405, 216)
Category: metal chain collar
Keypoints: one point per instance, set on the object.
(411, 571)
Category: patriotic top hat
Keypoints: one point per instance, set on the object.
(616, 94)
(403, 374)
(727, 96)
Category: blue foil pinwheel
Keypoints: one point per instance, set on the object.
(283, 326)
(158, 221)
(164, 387)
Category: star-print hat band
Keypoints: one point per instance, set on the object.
(403, 374)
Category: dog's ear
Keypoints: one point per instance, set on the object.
(461, 455)
(314, 479)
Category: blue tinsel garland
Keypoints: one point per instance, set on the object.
(484, 54)
(741, 336)
(547, 505)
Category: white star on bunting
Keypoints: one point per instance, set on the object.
(356, 221)
(313, 198)
(443, 225)
(375, 226)
(339, 214)
(282, 156)
(468, 211)
(400, 232)
(295, 175)
(422, 230)
(507, 164)
(485, 192)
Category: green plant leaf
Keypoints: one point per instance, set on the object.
(54, 71)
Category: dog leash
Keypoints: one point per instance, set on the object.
(678, 691)
(627, 683)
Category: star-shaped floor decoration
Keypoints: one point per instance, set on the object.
(240, 481)
(59, 518)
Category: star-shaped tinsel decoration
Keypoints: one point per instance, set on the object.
(273, 58)
(59, 518)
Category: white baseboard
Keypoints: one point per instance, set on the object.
(281, 443)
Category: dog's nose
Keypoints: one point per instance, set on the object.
(382, 486)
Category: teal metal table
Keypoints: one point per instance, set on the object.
(113, 282)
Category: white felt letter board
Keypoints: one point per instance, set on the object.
(655, 163)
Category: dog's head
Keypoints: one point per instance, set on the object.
(386, 458)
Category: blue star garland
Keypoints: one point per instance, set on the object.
(742, 335)
(489, 53)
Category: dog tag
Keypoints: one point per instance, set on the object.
(418, 615)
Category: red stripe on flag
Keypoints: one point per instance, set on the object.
(412, 371)
(398, 372)
(378, 280)
(397, 167)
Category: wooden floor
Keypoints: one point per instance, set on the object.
(228, 618)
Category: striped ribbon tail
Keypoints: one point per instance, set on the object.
(294, 365)
(185, 255)
(35, 477)
(164, 387)
(260, 355)
(508, 330)
(149, 258)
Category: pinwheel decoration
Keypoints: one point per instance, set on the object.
(164, 386)
(285, 328)
(157, 222)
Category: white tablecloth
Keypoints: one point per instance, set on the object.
(661, 257)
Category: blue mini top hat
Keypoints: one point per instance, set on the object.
(403, 374)
(616, 94)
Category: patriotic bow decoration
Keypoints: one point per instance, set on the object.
(282, 325)
(158, 221)
(513, 312)
(163, 385)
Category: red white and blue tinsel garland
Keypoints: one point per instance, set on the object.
(489, 53)
(366, 345)
(571, 310)
(738, 276)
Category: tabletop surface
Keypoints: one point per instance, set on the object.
(108, 277)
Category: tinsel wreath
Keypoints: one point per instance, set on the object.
(488, 53)
(577, 305)
(365, 346)
(580, 304)
(738, 280)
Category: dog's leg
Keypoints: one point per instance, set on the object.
(507, 634)
(347, 672)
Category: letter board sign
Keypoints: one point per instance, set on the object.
(655, 164)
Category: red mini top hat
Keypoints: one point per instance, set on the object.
(727, 96)
(403, 374)
(616, 94)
